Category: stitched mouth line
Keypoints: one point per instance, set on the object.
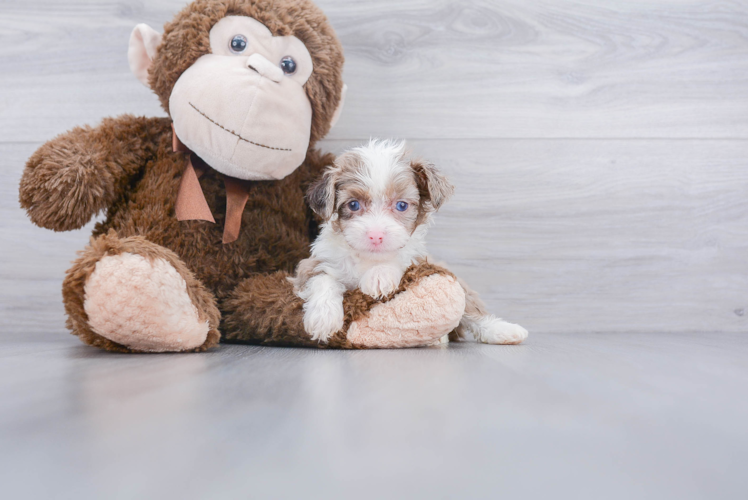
(234, 133)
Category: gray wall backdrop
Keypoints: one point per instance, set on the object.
(598, 148)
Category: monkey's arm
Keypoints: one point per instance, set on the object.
(428, 304)
(81, 172)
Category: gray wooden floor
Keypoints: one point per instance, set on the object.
(600, 154)
(614, 416)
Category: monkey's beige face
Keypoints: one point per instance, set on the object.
(242, 108)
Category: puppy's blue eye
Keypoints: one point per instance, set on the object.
(354, 206)
(238, 44)
(401, 206)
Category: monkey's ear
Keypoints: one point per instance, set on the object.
(431, 183)
(321, 196)
(144, 42)
(339, 110)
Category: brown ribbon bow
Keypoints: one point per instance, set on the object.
(191, 203)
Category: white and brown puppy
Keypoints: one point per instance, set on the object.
(376, 206)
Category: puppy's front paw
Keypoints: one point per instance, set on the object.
(491, 330)
(322, 318)
(378, 282)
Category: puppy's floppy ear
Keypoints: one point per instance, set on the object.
(432, 185)
(321, 196)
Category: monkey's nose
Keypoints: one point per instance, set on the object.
(265, 68)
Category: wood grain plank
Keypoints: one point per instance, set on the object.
(590, 235)
(426, 68)
(558, 235)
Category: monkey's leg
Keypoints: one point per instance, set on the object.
(428, 305)
(131, 295)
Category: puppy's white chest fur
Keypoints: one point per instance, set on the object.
(376, 275)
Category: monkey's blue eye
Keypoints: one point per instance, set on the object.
(401, 206)
(288, 65)
(354, 206)
(238, 44)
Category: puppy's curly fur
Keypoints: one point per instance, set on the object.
(377, 205)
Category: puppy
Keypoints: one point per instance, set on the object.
(377, 206)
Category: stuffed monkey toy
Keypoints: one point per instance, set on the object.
(205, 214)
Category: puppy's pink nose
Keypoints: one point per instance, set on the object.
(375, 237)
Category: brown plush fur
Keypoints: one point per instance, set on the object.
(263, 310)
(79, 173)
(138, 180)
(126, 167)
(186, 39)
